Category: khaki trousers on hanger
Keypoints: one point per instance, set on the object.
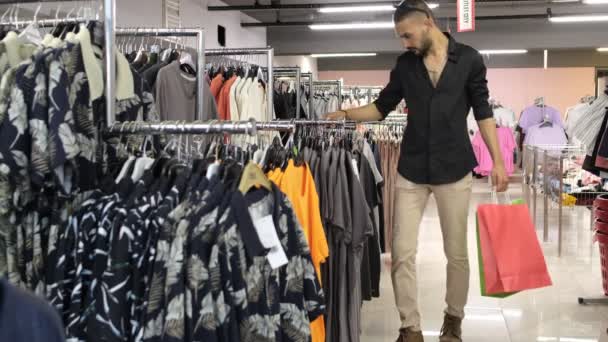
(453, 206)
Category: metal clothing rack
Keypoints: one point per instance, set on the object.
(109, 24)
(250, 127)
(197, 32)
(335, 83)
(48, 22)
(310, 77)
(346, 124)
(268, 52)
(291, 72)
(368, 90)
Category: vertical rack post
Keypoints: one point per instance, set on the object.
(109, 27)
(311, 103)
(298, 97)
(546, 188)
(269, 92)
(560, 204)
(524, 180)
(200, 74)
(534, 187)
(339, 94)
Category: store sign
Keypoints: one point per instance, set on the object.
(466, 15)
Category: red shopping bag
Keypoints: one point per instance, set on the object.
(485, 255)
(515, 261)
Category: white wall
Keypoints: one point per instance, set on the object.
(148, 13)
(138, 13)
(306, 63)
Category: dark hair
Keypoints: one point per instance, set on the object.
(409, 7)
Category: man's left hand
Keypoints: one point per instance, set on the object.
(500, 180)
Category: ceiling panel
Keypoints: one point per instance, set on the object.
(490, 34)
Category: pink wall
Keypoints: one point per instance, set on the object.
(515, 88)
(358, 77)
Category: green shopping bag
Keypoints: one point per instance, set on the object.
(482, 277)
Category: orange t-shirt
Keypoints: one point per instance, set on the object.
(299, 186)
(223, 103)
(216, 86)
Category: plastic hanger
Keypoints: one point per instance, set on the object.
(126, 166)
(187, 63)
(253, 177)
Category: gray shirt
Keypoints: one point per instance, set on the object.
(176, 95)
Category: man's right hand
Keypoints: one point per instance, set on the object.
(366, 113)
(339, 115)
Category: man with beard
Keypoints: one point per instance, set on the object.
(440, 81)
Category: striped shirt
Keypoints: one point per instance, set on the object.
(587, 128)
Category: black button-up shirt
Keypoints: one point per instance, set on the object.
(436, 148)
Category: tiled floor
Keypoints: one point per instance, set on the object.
(549, 314)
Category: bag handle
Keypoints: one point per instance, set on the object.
(494, 195)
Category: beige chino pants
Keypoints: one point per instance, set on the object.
(453, 206)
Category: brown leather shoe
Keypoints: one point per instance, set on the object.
(451, 330)
(407, 335)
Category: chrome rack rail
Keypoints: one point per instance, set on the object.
(346, 124)
(250, 127)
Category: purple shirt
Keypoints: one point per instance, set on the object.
(534, 115)
(548, 135)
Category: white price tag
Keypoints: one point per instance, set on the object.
(269, 239)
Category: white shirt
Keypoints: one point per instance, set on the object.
(234, 107)
(505, 117)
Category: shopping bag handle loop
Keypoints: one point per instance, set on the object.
(494, 195)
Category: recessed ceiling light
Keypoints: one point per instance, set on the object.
(368, 8)
(602, 49)
(503, 52)
(353, 9)
(353, 26)
(595, 2)
(579, 18)
(336, 55)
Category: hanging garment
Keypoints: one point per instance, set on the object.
(216, 86)
(176, 95)
(534, 115)
(506, 142)
(505, 117)
(389, 152)
(245, 82)
(181, 253)
(243, 99)
(298, 184)
(590, 163)
(224, 99)
(587, 128)
(255, 102)
(49, 173)
(541, 134)
(234, 109)
(573, 115)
